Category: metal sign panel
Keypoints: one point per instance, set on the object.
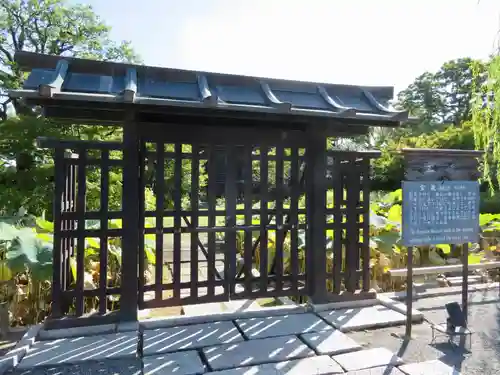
(440, 212)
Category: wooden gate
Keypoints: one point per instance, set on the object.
(200, 247)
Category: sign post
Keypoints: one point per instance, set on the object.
(440, 206)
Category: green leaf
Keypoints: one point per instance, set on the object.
(485, 219)
(115, 224)
(7, 232)
(5, 272)
(379, 222)
(301, 239)
(27, 252)
(395, 213)
(92, 243)
(22, 250)
(394, 196)
(446, 248)
(116, 252)
(45, 237)
(386, 241)
(45, 225)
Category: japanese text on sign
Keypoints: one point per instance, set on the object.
(438, 212)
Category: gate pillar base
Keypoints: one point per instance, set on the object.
(348, 296)
(319, 299)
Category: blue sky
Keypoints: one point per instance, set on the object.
(366, 42)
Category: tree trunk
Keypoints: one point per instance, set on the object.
(4, 319)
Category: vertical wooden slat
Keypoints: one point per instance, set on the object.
(131, 220)
(69, 224)
(58, 244)
(177, 219)
(316, 215)
(337, 223)
(103, 251)
(248, 185)
(294, 218)
(74, 177)
(278, 271)
(71, 243)
(195, 181)
(80, 249)
(65, 224)
(352, 233)
(212, 196)
(264, 197)
(366, 225)
(160, 208)
(143, 156)
(231, 190)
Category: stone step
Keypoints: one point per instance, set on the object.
(189, 337)
(256, 352)
(361, 318)
(369, 358)
(457, 281)
(271, 326)
(69, 351)
(428, 367)
(322, 365)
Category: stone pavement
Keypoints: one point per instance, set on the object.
(299, 343)
(484, 320)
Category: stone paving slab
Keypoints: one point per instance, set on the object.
(331, 342)
(384, 370)
(164, 340)
(53, 334)
(322, 365)
(357, 319)
(107, 367)
(429, 367)
(369, 358)
(180, 363)
(272, 326)
(256, 352)
(78, 349)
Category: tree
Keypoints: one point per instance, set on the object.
(388, 170)
(444, 97)
(486, 121)
(54, 27)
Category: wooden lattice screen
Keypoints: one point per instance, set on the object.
(82, 233)
(256, 241)
(223, 238)
(348, 221)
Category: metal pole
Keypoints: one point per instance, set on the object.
(409, 292)
(465, 279)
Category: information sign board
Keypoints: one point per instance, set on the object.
(440, 212)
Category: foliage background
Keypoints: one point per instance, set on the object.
(455, 107)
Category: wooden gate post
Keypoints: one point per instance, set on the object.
(130, 223)
(316, 213)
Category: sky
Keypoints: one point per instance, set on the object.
(360, 42)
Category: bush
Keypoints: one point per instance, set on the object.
(388, 170)
(490, 204)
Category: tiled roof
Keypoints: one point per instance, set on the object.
(88, 81)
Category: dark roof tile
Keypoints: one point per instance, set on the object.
(93, 81)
